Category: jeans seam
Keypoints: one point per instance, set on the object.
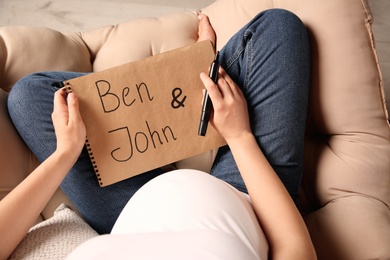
(246, 45)
(249, 62)
(234, 57)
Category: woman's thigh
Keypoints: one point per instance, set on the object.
(30, 105)
(270, 60)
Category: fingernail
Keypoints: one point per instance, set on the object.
(71, 96)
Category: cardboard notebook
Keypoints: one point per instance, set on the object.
(145, 114)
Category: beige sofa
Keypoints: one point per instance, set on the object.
(346, 185)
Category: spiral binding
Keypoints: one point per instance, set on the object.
(68, 89)
(92, 158)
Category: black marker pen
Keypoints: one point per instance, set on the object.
(207, 105)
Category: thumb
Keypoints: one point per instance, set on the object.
(212, 88)
(73, 106)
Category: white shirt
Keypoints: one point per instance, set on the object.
(183, 214)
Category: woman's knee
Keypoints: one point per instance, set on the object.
(40, 83)
(281, 20)
(281, 26)
(19, 91)
(29, 92)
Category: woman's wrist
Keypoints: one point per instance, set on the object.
(241, 140)
(65, 156)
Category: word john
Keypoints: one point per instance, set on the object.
(139, 141)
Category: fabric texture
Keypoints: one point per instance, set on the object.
(183, 214)
(189, 245)
(347, 145)
(55, 237)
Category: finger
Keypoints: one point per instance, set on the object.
(225, 84)
(212, 90)
(209, 84)
(59, 101)
(224, 87)
(229, 82)
(73, 107)
(60, 108)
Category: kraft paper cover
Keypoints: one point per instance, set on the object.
(145, 114)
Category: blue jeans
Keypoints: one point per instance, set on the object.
(268, 58)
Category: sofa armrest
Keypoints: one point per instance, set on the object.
(26, 49)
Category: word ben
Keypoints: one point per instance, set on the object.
(111, 101)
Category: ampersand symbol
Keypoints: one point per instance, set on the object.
(176, 103)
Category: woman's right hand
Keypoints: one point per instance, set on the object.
(68, 124)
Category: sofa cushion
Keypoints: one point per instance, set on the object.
(140, 38)
(354, 227)
(47, 49)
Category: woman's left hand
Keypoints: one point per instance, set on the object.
(230, 112)
(68, 124)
